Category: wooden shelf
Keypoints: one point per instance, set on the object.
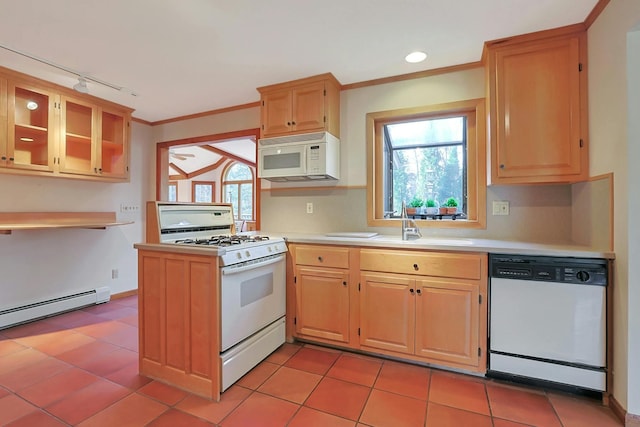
(72, 137)
(10, 221)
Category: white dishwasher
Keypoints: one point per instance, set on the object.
(548, 320)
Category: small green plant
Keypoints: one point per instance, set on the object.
(416, 202)
(430, 203)
(451, 202)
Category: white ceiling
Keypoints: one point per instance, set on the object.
(188, 56)
(191, 159)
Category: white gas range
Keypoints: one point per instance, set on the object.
(252, 280)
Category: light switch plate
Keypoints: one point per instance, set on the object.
(501, 208)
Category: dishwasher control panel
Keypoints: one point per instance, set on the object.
(549, 269)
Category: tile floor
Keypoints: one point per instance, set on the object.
(80, 368)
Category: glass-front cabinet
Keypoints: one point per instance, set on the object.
(48, 129)
(31, 137)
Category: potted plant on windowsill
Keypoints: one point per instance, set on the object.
(414, 204)
(452, 205)
(432, 209)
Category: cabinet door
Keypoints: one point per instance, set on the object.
(387, 312)
(113, 154)
(322, 297)
(276, 113)
(31, 124)
(308, 107)
(79, 135)
(537, 116)
(447, 321)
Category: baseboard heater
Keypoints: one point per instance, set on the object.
(38, 310)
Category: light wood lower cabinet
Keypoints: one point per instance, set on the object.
(322, 299)
(179, 326)
(424, 306)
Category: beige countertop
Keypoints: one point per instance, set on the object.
(453, 244)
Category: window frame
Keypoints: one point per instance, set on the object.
(238, 183)
(474, 110)
(175, 185)
(211, 184)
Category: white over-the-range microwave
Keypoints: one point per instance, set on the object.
(303, 157)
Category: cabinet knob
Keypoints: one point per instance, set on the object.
(411, 291)
(4, 158)
(293, 123)
(415, 267)
(419, 291)
(320, 259)
(502, 166)
(11, 159)
(288, 123)
(344, 283)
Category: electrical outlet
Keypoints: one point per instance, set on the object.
(501, 208)
(126, 208)
(309, 208)
(114, 273)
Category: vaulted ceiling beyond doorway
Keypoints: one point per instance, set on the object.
(189, 161)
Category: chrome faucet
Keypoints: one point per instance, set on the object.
(410, 230)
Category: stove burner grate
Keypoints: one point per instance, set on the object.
(223, 240)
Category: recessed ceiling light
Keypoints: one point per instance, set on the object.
(32, 105)
(414, 57)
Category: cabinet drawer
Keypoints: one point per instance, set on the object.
(455, 265)
(322, 256)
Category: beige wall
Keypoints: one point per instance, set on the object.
(609, 139)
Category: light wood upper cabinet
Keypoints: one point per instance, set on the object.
(537, 101)
(301, 106)
(47, 129)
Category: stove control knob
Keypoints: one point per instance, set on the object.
(269, 248)
(238, 255)
(247, 253)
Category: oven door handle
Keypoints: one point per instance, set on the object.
(235, 270)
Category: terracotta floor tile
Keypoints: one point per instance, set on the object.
(405, 379)
(102, 329)
(129, 377)
(111, 362)
(87, 401)
(33, 373)
(522, 406)
(44, 339)
(3, 392)
(74, 319)
(214, 411)
(445, 416)
(165, 393)
(459, 392)
(260, 410)
(86, 353)
(130, 320)
(37, 419)
(52, 389)
(126, 337)
(132, 411)
(339, 398)
(581, 412)
(20, 359)
(118, 312)
(355, 369)
(13, 408)
(174, 418)
(130, 301)
(283, 353)
(290, 384)
(64, 342)
(312, 360)
(258, 375)
(384, 409)
(8, 346)
(30, 329)
(498, 422)
(307, 417)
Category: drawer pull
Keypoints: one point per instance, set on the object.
(320, 259)
(415, 267)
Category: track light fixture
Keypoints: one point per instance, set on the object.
(81, 86)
